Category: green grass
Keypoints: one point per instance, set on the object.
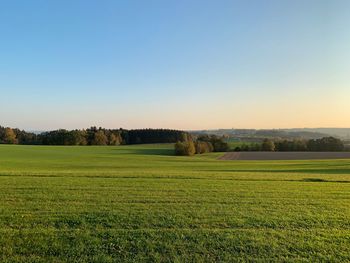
(141, 204)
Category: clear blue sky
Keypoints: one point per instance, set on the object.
(174, 64)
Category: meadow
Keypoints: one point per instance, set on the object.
(142, 204)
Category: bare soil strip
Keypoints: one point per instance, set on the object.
(284, 155)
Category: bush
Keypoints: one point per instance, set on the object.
(180, 148)
(203, 147)
(238, 149)
(185, 148)
(268, 146)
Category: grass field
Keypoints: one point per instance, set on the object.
(141, 204)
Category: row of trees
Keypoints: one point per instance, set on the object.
(155, 136)
(92, 136)
(326, 144)
(16, 136)
(203, 144)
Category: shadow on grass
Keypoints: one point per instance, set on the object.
(141, 151)
(316, 180)
(320, 180)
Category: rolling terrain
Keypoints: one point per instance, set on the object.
(142, 204)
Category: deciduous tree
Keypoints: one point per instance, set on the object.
(10, 136)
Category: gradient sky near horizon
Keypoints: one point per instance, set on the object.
(182, 64)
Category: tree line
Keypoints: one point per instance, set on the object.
(212, 143)
(92, 136)
(325, 144)
(202, 144)
(186, 144)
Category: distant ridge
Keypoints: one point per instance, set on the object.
(306, 133)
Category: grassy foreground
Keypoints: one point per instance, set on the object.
(140, 204)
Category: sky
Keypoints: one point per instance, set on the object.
(183, 64)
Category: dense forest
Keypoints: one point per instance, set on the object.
(92, 136)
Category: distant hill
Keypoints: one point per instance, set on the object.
(302, 133)
(343, 133)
